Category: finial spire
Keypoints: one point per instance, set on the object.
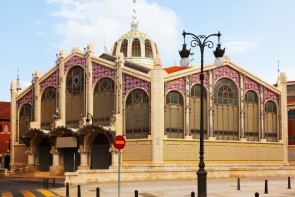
(134, 23)
(278, 65)
(17, 81)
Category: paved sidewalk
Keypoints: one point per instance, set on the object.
(221, 187)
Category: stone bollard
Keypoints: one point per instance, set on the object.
(136, 193)
(238, 184)
(266, 187)
(67, 190)
(193, 194)
(256, 194)
(97, 192)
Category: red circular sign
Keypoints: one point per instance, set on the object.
(119, 142)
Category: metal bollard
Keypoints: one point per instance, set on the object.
(97, 192)
(136, 193)
(79, 191)
(67, 190)
(289, 182)
(256, 194)
(266, 187)
(238, 184)
(193, 194)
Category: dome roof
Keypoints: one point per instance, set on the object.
(136, 47)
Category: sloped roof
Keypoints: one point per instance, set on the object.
(173, 69)
(5, 110)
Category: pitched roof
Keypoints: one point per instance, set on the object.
(173, 69)
(5, 110)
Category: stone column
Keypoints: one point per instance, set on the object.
(83, 151)
(187, 108)
(210, 111)
(62, 91)
(13, 123)
(55, 156)
(242, 113)
(31, 156)
(89, 92)
(262, 113)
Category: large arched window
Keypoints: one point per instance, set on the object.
(195, 103)
(291, 127)
(48, 106)
(270, 122)
(124, 47)
(103, 101)
(226, 111)
(75, 96)
(137, 115)
(136, 51)
(251, 116)
(115, 49)
(148, 48)
(24, 120)
(174, 115)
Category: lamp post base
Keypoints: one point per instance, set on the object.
(202, 182)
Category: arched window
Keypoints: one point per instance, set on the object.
(124, 47)
(48, 106)
(136, 52)
(226, 111)
(195, 103)
(115, 49)
(75, 96)
(137, 115)
(103, 101)
(174, 115)
(24, 121)
(270, 122)
(251, 116)
(291, 127)
(148, 48)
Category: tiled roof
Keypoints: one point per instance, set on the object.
(4, 110)
(173, 69)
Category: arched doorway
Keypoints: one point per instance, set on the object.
(45, 158)
(101, 158)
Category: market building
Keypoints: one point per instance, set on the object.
(65, 122)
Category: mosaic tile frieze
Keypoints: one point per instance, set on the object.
(226, 71)
(99, 71)
(52, 80)
(251, 85)
(177, 84)
(131, 82)
(25, 99)
(195, 79)
(75, 60)
(269, 95)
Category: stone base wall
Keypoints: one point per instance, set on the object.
(137, 151)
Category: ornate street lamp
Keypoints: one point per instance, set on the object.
(202, 41)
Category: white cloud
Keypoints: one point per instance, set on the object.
(89, 21)
(240, 46)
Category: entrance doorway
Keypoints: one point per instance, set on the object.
(71, 159)
(101, 157)
(45, 158)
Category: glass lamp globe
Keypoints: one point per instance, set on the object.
(219, 61)
(184, 62)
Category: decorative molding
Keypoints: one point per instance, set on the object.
(75, 60)
(195, 79)
(52, 80)
(131, 82)
(177, 84)
(251, 85)
(25, 99)
(226, 71)
(99, 71)
(269, 95)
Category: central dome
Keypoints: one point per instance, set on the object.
(136, 47)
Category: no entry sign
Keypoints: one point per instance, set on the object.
(119, 142)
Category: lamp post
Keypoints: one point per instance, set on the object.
(202, 41)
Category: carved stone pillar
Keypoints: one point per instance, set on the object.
(84, 152)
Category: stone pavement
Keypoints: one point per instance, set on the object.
(221, 187)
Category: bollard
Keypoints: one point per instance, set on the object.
(79, 191)
(266, 187)
(67, 190)
(44, 183)
(136, 193)
(47, 183)
(289, 182)
(97, 192)
(238, 184)
(193, 194)
(256, 194)
(53, 183)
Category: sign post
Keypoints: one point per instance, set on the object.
(119, 143)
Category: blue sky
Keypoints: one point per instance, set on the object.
(255, 33)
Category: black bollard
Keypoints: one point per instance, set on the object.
(193, 194)
(44, 183)
(136, 193)
(67, 190)
(238, 184)
(79, 191)
(256, 194)
(266, 187)
(97, 192)
(53, 183)
(289, 182)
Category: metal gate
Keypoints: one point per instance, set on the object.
(71, 159)
(101, 158)
(45, 158)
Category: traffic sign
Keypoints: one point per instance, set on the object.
(119, 142)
